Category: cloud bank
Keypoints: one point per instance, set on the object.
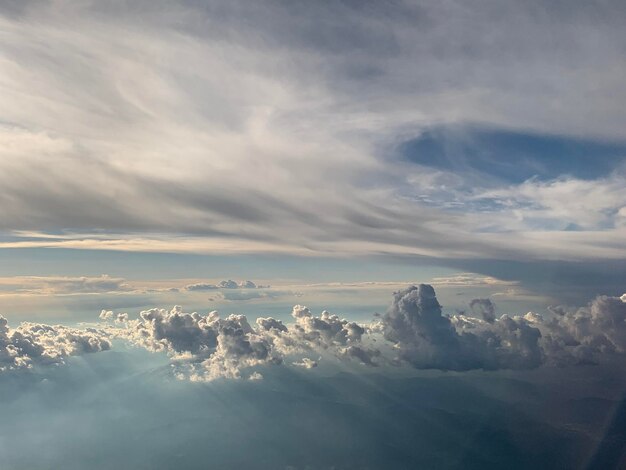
(413, 332)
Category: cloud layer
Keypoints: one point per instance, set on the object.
(414, 331)
(285, 132)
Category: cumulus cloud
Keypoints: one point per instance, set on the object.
(586, 334)
(484, 308)
(207, 347)
(227, 284)
(413, 331)
(32, 344)
(328, 331)
(306, 363)
(425, 338)
(200, 286)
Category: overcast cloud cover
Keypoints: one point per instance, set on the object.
(313, 230)
(289, 132)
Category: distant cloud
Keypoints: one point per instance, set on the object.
(109, 315)
(59, 285)
(227, 284)
(200, 287)
(470, 280)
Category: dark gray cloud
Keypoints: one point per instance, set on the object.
(484, 308)
(427, 339)
(587, 334)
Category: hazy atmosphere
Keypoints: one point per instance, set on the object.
(312, 234)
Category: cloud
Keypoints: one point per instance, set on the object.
(587, 334)
(62, 285)
(470, 280)
(208, 347)
(200, 287)
(413, 331)
(120, 318)
(35, 344)
(296, 160)
(228, 284)
(427, 339)
(326, 330)
(306, 363)
(484, 308)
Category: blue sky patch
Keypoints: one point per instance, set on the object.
(513, 156)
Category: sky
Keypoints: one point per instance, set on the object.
(161, 161)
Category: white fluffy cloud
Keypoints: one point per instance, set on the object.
(206, 347)
(413, 331)
(33, 344)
